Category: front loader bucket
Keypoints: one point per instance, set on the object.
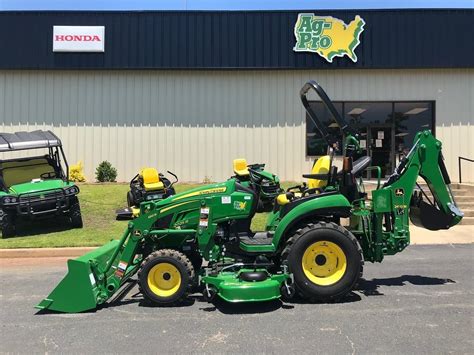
(79, 290)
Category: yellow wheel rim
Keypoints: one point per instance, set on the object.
(324, 263)
(164, 279)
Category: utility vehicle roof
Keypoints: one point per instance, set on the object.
(28, 140)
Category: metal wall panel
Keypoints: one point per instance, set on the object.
(195, 122)
(239, 39)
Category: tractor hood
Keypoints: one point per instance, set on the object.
(220, 188)
(41, 185)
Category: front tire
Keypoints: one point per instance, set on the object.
(7, 222)
(325, 259)
(166, 277)
(75, 216)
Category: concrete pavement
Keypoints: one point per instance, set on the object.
(420, 301)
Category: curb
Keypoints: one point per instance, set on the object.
(43, 252)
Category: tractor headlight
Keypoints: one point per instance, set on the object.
(71, 190)
(9, 200)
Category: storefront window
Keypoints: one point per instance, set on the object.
(315, 145)
(362, 114)
(411, 117)
(386, 129)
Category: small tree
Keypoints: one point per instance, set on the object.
(105, 172)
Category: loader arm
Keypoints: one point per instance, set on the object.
(397, 202)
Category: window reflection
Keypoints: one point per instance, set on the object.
(386, 129)
(410, 117)
(315, 145)
(361, 114)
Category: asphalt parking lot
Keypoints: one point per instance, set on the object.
(420, 301)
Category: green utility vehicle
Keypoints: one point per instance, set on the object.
(35, 186)
(304, 249)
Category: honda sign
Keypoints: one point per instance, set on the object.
(78, 38)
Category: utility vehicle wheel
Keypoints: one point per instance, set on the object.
(130, 201)
(7, 222)
(75, 216)
(325, 259)
(166, 277)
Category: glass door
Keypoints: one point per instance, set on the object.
(380, 148)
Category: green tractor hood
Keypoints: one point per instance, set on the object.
(42, 185)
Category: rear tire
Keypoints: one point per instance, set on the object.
(75, 216)
(166, 277)
(7, 222)
(325, 259)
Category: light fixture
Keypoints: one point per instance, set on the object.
(402, 134)
(416, 111)
(356, 111)
(333, 125)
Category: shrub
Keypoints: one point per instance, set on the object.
(76, 172)
(105, 172)
(207, 180)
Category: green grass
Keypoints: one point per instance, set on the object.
(98, 205)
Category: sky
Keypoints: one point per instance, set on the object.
(9, 5)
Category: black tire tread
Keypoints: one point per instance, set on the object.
(180, 257)
(7, 224)
(301, 231)
(75, 215)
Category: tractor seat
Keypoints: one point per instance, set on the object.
(240, 167)
(322, 166)
(151, 179)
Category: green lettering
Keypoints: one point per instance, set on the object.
(317, 27)
(315, 43)
(304, 39)
(305, 24)
(325, 42)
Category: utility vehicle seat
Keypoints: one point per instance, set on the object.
(240, 167)
(24, 170)
(151, 179)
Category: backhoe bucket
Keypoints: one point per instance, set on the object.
(79, 290)
(430, 217)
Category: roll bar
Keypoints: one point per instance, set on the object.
(329, 138)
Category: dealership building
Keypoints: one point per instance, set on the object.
(190, 91)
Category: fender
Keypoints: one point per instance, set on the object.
(334, 204)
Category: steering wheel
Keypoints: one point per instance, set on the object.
(48, 175)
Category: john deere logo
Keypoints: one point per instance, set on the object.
(328, 36)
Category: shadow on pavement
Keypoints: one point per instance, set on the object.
(370, 287)
(244, 308)
(27, 228)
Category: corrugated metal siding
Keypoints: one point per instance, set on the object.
(195, 122)
(252, 39)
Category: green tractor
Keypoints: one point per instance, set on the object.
(37, 186)
(304, 248)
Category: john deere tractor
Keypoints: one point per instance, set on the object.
(304, 248)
